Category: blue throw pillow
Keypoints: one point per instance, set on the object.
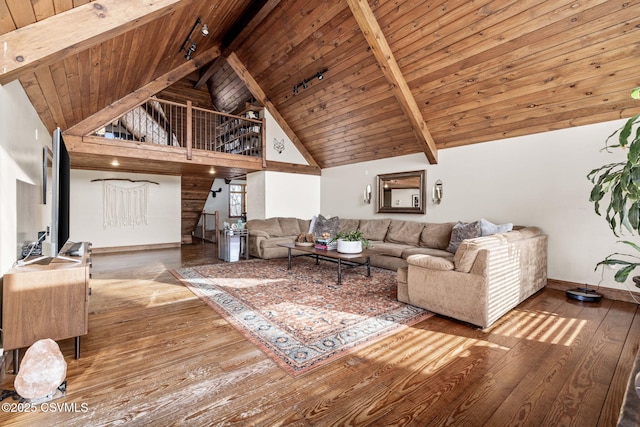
(488, 228)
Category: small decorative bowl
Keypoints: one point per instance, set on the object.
(308, 244)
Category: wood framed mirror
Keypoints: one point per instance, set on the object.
(402, 192)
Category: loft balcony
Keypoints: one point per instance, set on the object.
(174, 138)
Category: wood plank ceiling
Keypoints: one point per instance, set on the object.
(474, 71)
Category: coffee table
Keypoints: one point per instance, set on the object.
(343, 260)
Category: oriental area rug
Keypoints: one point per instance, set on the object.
(301, 318)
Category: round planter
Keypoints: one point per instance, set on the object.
(347, 247)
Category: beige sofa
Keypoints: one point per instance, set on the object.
(484, 279)
(487, 277)
(396, 240)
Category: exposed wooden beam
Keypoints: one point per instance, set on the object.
(136, 98)
(154, 153)
(256, 13)
(262, 98)
(382, 51)
(73, 31)
(292, 168)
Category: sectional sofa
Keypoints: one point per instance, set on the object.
(394, 239)
(476, 280)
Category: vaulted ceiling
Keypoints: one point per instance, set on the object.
(400, 77)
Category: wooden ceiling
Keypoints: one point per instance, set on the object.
(401, 76)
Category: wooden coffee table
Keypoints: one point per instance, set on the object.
(343, 260)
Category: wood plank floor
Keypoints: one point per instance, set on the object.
(157, 355)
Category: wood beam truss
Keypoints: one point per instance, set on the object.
(68, 33)
(262, 98)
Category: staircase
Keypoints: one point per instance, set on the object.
(195, 190)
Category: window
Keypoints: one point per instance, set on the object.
(237, 200)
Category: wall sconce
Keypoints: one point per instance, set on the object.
(193, 45)
(305, 82)
(213, 192)
(367, 194)
(437, 192)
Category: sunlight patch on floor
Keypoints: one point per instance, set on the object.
(543, 327)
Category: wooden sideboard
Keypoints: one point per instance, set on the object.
(46, 301)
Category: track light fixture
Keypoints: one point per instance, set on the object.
(305, 82)
(192, 44)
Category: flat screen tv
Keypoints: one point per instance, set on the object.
(60, 192)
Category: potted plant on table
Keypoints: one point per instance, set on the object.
(621, 181)
(351, 242)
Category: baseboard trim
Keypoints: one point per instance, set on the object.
(614, 294)
(135, 248)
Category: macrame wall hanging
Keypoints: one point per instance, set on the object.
(125, 206)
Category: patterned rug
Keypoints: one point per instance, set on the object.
(302, 318)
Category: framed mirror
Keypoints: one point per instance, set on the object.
(402, 192)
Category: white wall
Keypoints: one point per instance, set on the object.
(532, 180)
(220, 202)
(164, 211)
(292, 195)
(22, 138)
(256, 196)
(272, 194)
(290, 154)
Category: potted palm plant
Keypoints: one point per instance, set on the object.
(351, 242)
(621, 182)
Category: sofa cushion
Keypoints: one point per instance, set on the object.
(289, 226)
(304, 225)
(374, 229)
(407, 232)
(488, 228)
(271, 226)
(468, 250)
(326, 225)
(523, 233)
(427, 251)
(347, 225)
(258, 233)
(433, 262)
(436, 235)
(462, 231)
(391, 249)
(272, 243)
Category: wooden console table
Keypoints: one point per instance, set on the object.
(46, 301)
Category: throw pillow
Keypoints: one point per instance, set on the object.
(488, 228)
(312, 224)
(326, 225)
(463, 231)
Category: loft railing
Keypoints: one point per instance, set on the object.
(169, 123)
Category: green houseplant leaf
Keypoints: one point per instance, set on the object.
(616, 191)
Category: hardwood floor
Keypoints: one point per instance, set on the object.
(157, 355)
